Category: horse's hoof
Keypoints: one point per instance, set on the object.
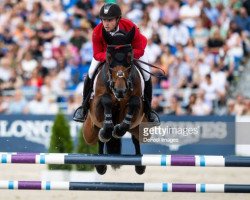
(101, 169)
(116, 132)
(101, 136)
(140, 169)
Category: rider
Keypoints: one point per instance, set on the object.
(112, 22)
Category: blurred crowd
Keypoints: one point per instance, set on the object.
(46, 49)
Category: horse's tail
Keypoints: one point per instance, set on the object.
(114, 146)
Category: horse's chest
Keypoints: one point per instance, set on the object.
(119, 107)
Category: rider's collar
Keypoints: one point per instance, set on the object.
(114, 32)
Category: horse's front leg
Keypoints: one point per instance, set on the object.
(105, 133)
(139, 169)
(101, 169)
(122, 128)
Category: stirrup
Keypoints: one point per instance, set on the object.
(78, 115)
(154, 118)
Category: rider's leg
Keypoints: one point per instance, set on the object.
(151, 115)
(81, 112)
(92, 68)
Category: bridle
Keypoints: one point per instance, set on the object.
(120, 74)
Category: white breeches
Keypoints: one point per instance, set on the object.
(92, 68)
(94, 64)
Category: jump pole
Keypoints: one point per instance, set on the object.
(134, 187)
(147, 159)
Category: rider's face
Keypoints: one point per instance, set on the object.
(109, 24)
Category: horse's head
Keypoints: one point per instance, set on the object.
(119, 61)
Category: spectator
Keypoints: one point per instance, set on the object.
(48, 61)
(17, 104)
(174, 78)
(174, 107)
(82, 9)
(36, 80)
(178, 35)
(219, 80)
(5, 69)
(211, 12)
(190, 51)
(45, 31)
(73, 102)
(3, 104)
(47, 90)
(170, 12)
(146, 26)
(246, 4)
(215, 42)
(153, 51)
(189, 107)
(162, 31)
(37, 106)
(87, 50)
(209, 88)
(200, 35)
(153, 8)
(231, 107)
(239, 106)
(189, 14)
(78, 38)
(28, 64)
(242, 19)
(247, 107)
(203, 68)
(166, 59)
(35, 49)
(234, 47)
(201, 106)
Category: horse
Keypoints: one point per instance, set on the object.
(117, 104)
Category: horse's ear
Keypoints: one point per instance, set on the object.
(107, 37)
(130, 35)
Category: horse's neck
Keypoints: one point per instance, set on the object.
(104, 73)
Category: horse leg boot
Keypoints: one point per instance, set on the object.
(150, 114)
(133, 106)
(105, 133)
(82, 111)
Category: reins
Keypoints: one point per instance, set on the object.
(136, 62)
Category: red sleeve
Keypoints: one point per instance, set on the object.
(98, 46)
(139, 44)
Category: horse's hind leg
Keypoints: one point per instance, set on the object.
(90, 134)
(101, 169)
(139, 169)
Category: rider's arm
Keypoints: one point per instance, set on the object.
(98, 47)
(139, 44)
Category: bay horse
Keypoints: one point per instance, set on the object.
(117, 103)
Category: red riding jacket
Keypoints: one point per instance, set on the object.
(99, 44)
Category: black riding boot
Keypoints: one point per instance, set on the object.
(150, 114)
(81, 112)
